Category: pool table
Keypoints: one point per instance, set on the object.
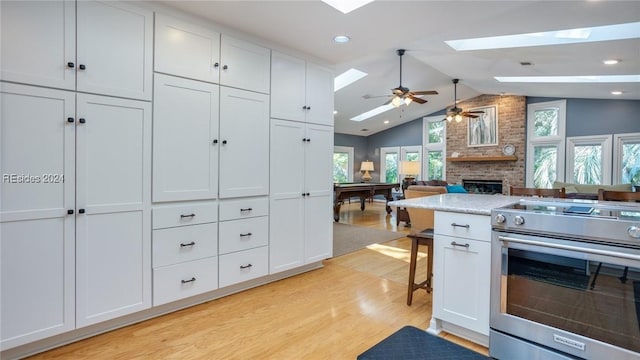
(363, 191)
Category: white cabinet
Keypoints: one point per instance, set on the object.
(301, 194)
(37, 234)
(185, 139)
(244, 143)
(81, 213)
(185, 249)
(301, 90)
(244, 65)
(113, 196)
(100, 47)
(461, 274)
(187, 50)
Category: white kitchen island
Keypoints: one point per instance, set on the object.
(461, 261)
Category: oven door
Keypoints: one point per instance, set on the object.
(579, 298)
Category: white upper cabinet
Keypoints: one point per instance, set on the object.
(186, 50)
(244, 143)
(244, 65)
(51, 25)
(115, 47)
(92, 46)
(185, 139)
(300, 90)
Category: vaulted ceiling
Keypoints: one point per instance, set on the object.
(381, 27)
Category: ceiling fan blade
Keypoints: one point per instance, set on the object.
(417, 99)
(425, 92)
(475, 112)
(469, 115)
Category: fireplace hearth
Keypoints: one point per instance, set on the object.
(483, 186)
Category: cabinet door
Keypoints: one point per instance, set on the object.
(37, 146)
(115, 47)
(186, 50)
(319, 95)
(286, 212)
(288, 87)
(318, 215)
(37, 41)
(461, 282)
(244, 145)
(244, 65)
(113, 242)
(185, 135)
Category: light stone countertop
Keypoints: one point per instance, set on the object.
(460, 203)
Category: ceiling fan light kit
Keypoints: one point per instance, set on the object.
(402, 94)
(455, 112)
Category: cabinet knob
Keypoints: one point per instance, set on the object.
(308, 194)
(225, 67)
(80, 211)
(304, 107)
(70, 119)
(82, 120)
(81, 67)
(216, 65)
(70, 211)
(215, 141)
(71, 65)
(308, 107)
(224, 142)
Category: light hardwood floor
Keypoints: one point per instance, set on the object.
(336, 312)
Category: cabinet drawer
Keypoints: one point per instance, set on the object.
(185, 243)
(184, 214)
(243, 208)
(469, 226)
(179, 281)
(237, 235)
(244, 265)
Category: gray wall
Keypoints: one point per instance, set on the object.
(599, 117)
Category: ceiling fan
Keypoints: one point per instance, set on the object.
(457, 113)
(402, 94)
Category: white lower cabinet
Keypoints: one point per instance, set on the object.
(244, 265)
(185, 249)
(461, 274)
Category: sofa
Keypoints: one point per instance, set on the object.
(402, 214)
(586, 191)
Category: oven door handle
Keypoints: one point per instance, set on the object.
(615, 254)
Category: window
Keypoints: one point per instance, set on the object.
(390, 158)
(626, 158)
(342, 164)
(589, 160)
(434, 137)
(545, 145)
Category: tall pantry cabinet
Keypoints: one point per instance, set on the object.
(75, 211)
(301, 163)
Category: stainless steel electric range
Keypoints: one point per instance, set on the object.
(565, 281)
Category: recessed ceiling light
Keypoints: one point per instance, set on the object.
(616, 93)
(570, 36)
(346, 6)
(570, 79)
(386, 121)
(347, 78)
(610, 61)
(341, 39)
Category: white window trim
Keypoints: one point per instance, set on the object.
(619, 140)
(556, 140)
(350, 151)
(433, 147)
(383, 166)
(605, 162)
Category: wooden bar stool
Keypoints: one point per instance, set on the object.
(417, 239)
(421, 234)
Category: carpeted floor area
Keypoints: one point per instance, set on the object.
(349, 238)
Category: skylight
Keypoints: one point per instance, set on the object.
(569, 36)
(347, 78)
(374, 112)
(346, 6)
(571, 79)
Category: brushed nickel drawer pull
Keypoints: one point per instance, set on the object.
(453, 243)
(458, 225)
(247, 234)
(188, 281)
(189, 244)
(246, 266)
(187, 216)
